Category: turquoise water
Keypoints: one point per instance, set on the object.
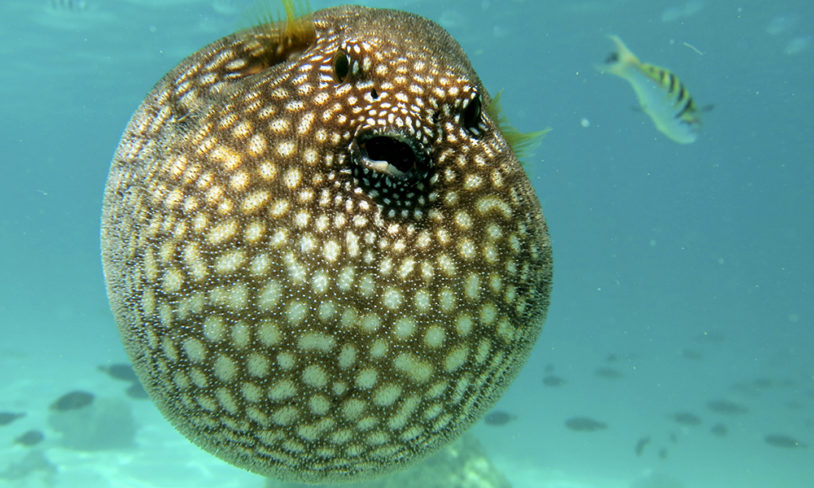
(686, 269)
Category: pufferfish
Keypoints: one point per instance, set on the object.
(322, 255)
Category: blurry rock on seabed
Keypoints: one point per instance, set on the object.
(462, 464)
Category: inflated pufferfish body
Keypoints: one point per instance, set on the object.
(324, 260)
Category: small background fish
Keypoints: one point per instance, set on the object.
(661, 94)
(72, 401)
(30, 438)
(9, 417)
(784, 441)
(585, 424)
(499, 417)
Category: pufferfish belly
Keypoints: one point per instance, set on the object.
(323, 257)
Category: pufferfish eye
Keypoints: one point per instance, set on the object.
(471, 116)
(341, 66)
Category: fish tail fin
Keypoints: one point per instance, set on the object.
(619, 61)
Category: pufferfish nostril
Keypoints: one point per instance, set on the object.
(383, 148)
(390, 154)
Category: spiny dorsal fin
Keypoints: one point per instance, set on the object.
(280, 36)
(299, 24)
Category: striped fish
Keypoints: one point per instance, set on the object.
(661, 94)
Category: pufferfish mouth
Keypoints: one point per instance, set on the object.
(389, 154)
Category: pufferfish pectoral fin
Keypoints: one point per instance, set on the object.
(523, 143)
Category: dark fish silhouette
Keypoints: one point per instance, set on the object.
(608, 373)
(119, 371)
(9, 417)
(641, 444)
(137, 391)
(686, 418)
(719, 430)
(691, 354)
(72, 401)
(30, 438)
(499, 417)
(782, 440)
(764, 382)
(794, 405)
(585, 424)
(553, 380)
(726, 407)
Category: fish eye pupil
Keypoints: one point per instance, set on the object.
(374, 94)
(470, 118)
(341, 66)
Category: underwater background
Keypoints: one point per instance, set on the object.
(679, 346)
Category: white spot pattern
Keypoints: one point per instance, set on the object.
(294, 307)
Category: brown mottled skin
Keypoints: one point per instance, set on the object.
(323, 257)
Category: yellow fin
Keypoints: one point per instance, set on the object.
(265, 12)
(523, 143)
(619, 61)
(281, 35)
(299, 25)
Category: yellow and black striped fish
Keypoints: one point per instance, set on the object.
(661, 94)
